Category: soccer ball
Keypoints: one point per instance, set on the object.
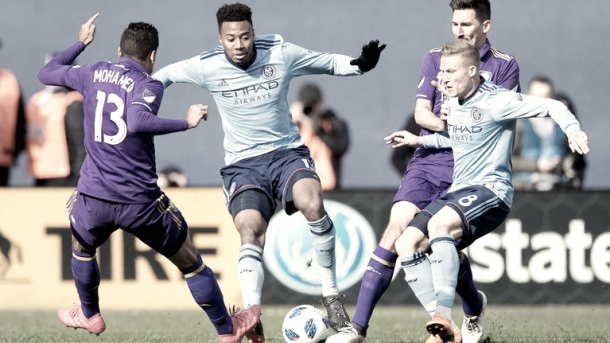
(305, 323)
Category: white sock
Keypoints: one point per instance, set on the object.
(418, 274)
(323, 241)
(250, 274)
(445, 266)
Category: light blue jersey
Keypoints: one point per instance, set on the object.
(253, 103)
(482, 134)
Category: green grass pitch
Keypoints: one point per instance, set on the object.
(396, 324)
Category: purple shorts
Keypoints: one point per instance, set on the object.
(273, 173)
(158, 224)
(421, 187)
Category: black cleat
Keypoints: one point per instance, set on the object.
(337, 316)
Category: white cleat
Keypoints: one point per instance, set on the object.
(472, 328)
(347, 334)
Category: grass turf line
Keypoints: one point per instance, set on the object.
(390, 324)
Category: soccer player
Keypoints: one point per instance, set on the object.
(481, 120)
(428, 176)
(266, 160)
(118, 183)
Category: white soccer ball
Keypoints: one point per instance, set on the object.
(305, 323)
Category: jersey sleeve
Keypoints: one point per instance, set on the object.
(508, 105)
(509, 78)
(186, 71)
(438, 140)
(59, 71)
(142, 112)
(429, 73)
(302, 61)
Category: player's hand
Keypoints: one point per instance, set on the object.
(440, 85)
(579, 142)
(195, 113)
(87, 30)
(402, 138)
(369, 56)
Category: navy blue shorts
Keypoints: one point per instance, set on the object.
(480, 210)
(158, 224)
(273, 173)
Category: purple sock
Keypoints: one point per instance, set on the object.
(86, 273)
(471, 301)
(206, 292)
(375, 282)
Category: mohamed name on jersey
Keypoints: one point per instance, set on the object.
(113, 76)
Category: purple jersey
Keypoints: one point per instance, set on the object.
(120, 102)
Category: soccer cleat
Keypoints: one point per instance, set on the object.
(243, 321)
(351, 333)
(473, 326)
(440, 326)
(337, 316)
(256, 335)
(74, 318)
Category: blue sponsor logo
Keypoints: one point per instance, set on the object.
(290, 257)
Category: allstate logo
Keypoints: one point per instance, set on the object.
(290, 257)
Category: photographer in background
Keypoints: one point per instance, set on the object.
(331, 129)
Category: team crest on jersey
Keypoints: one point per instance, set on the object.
(476, 115)
(268, 71)
(518, 97)
(148, 96)
(485, 74)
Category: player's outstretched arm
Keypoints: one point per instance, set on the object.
(87, 30)
(579, 142)
(195, 114)
(369, 56)
(402, 138)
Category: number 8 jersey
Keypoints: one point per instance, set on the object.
(120, 102)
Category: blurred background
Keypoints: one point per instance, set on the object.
(550, 37)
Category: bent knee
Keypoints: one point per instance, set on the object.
(411, 241)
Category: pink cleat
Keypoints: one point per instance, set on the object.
(74, 318)
(243, 321)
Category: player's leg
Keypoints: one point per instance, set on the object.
(252, 209)
(300, 190)
(161, 226)
(444, 227)
(206, 292)
(474, 303)
(90, 229)
(378, 274)
(469, 213)
(306, 195)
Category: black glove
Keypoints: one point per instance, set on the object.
(369, 56)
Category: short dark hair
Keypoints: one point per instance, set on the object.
(462, 47)
(233, 12)
(139, 40)
(482, 8)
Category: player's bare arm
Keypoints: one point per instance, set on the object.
(87, 30)
(425, 118)
(195, 114)
(579, 142)
(402, 138)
